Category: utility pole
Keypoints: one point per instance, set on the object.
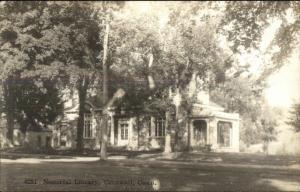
(103, 153)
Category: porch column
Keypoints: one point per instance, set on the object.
(58, 136)
(207, 132)
(152, 127)
(152, 139)
(192, 142)
(112, 130)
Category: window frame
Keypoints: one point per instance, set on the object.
(160, 127)
(88, 122)
(124, 131)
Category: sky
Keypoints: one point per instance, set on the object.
(284, 85)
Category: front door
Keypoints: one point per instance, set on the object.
(123, 132)
(48, 142)
(200, 132)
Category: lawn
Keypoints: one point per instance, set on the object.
(144, 171)
(137, 175)
(228, 158)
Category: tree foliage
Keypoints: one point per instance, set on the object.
(62, 42)
(294, 119)
(244, 24)
(37, 106)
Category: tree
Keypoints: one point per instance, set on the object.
(131, 44)
(69, 42)
(244, 24)
(175, 51)
(73, 39)
(269, 133)
(193, 49)
(138, 48)
(244, 96)
(268, 123)
(37, 105)
(103, 154)
(294, 119)
(17, 35)
(105, 12)
(49, 40)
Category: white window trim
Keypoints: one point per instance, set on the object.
(91, 126)
(156, 129)
(124, 128)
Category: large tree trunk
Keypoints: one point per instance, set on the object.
(176, 146)
(138, 130)
(266, 147)
(168, 148)
(103, 152)
(82, 93)
(189, 134)
(9, 97)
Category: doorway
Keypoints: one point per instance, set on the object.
(48, 142)
(200, 132)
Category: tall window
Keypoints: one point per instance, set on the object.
(63, 139)
(88, 131)
(159, 127)
(224, 133)
(124, 131)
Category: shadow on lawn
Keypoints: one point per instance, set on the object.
(18, 152)
(171, 177)
(228, 179)
(178, 178)
(239, 158)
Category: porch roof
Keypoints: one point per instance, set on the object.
(212, 110)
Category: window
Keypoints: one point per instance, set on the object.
(39, 141)
(124, 131)
(149, 125)
(63, 143)
(200, 131)
(224, 133)
(109, 122)
(159, 127)
(63, 139)
(88, 131)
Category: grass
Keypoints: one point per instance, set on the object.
(132, 176)
(114, 175)
(196, 157)
(20, 152)
(239, 158)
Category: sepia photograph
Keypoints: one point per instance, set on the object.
(149, 96)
